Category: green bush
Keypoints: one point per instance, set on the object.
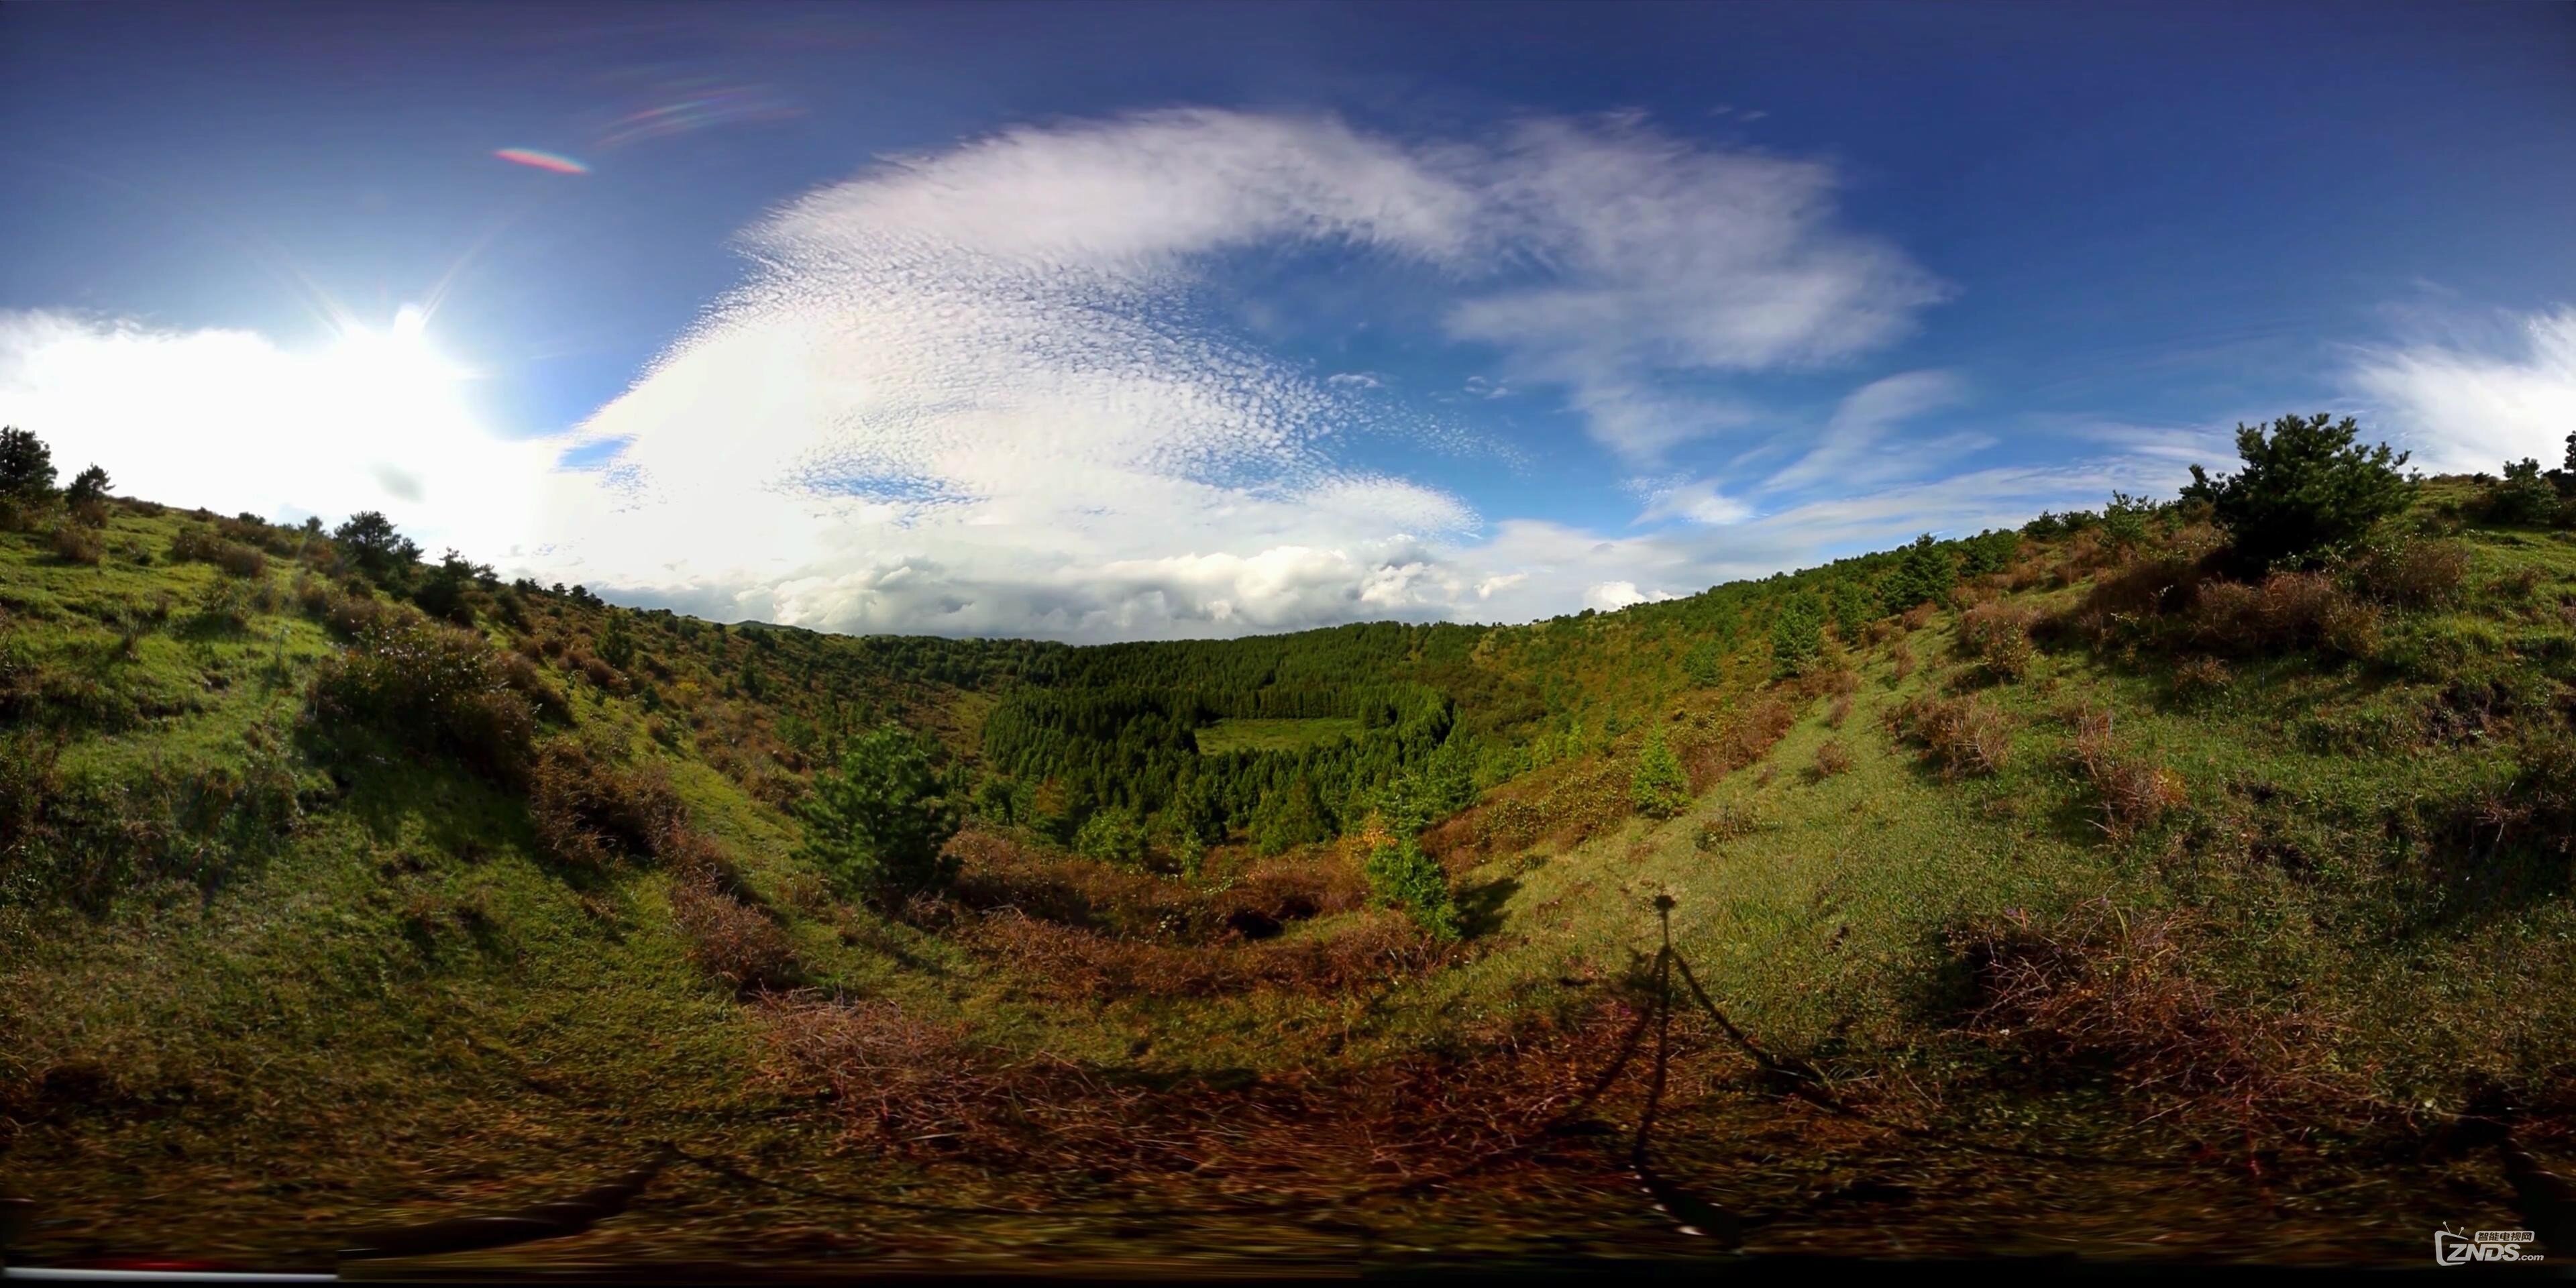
(1400, 875)
(880, 823)
(2307, 491)
(436, 688)
(2521, 497)
(1112, 835)
(1660, 788)
(1797, 637)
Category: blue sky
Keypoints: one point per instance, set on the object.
(1119, 321)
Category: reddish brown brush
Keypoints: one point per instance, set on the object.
(1071, 964)
(929, 1092)
(1996, 635)
(2133, 792)
(589, 814)
(729, 939)
(1744, 740)
(1961, 735)
(2109, 990)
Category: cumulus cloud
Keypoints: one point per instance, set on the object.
(2469, 404)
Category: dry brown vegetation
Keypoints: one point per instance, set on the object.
(2107, 989)
(1960, 735)
(1995, 635)
(733, 941)
(1833, 758)
(2132, 791)
(930, 1093)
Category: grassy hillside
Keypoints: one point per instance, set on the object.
(2106, 896)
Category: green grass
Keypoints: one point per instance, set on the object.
(400, 1007)
(1246, 734)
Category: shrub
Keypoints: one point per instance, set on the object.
(2289, 610)
(589, 814)
(1659, 788)
(1838, 711)
(880, 821)
(2306, 490)
(1962, 735)
(2108, 988)
(2522, 496)
(1833, 758)
(1401, 875)
(75, 544)
(2412, 574)
(1730, 822)
(1112, 835)
(2133, 793)
(204, 546)
(738, 944)
(2200, 678)
(1997, 636)
(435, 688)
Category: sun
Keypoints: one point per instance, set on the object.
(396, 371)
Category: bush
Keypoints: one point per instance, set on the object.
(1112, 835)
(2306, 490)
(1997, 636)
(1400, 875)
(1962, 735)
(435, 688)
(204, 546)
(2108, 988)
(2133, 793)
(1833, 758)
(2412, 574)
(880, 822)
(2200, 678)
(2521, 497)
(1659, 788)
(75, 544)
(589, 814)
(734, 942)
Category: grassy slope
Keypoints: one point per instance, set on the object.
(403, 1008)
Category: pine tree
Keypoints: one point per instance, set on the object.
(1660, 787)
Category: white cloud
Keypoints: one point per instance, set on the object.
(1671, 259)
(229, 421)
(1851, 448)
(2469, 405)
(969, 393)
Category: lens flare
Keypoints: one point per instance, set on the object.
(554, 162)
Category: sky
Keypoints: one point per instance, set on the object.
(1099, 322)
